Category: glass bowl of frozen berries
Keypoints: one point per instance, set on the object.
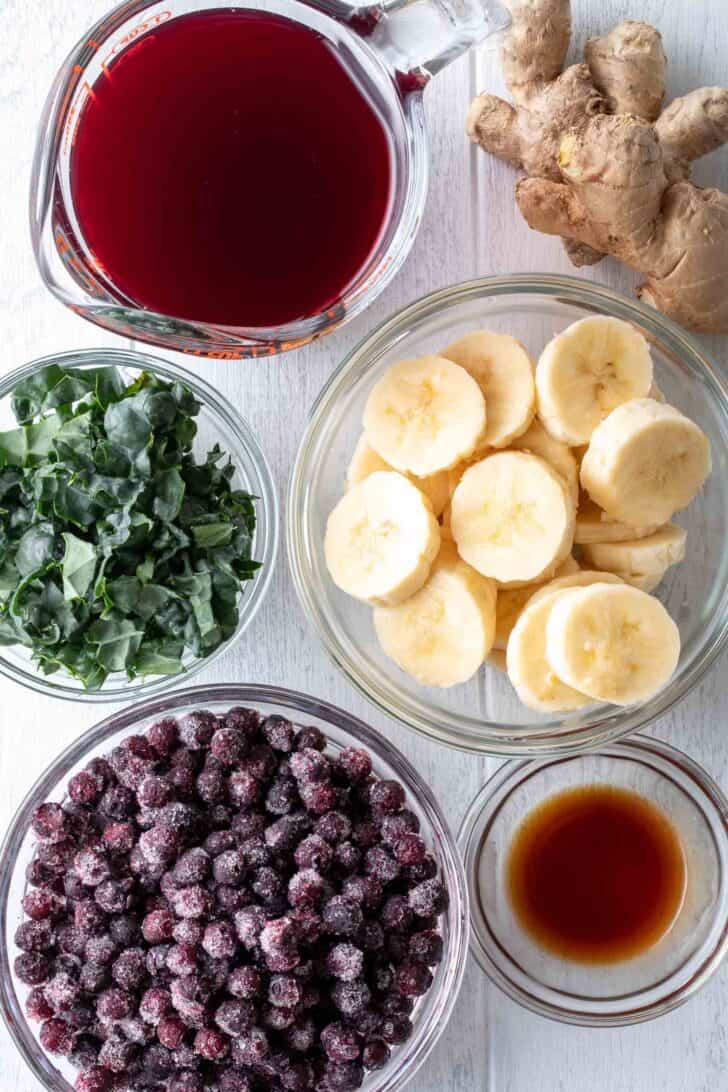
(232, 887)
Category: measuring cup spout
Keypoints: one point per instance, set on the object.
(416, 38)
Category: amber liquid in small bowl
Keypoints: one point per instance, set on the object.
(596, 874)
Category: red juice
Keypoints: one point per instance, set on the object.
(228, 170)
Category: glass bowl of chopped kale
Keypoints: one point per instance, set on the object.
(138, 525)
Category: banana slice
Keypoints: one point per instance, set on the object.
(503, 370)
(381, 539)
(588, 370)
(641, 562)
(645, 462)
(582, 579)
(594, 525)
(425, 415)
(539, 442)
(536, 683)
(512, 518)
(511, 601)
(441, 635)
(611, 641)
(366, 461)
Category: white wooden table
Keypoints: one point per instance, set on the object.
(471, 227)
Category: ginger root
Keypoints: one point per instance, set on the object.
(608, 169)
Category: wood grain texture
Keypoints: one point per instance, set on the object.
(470, 227)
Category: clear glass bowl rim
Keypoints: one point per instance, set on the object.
(427, 1032)
(470, 829)
(247, 442)
(488, 737)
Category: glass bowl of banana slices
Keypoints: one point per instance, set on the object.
(507, 517)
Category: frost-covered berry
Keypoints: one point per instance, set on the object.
(163, 735)
(219, 940)
(340, 1043)
(341, 916)
(244, 982)
(345, 961)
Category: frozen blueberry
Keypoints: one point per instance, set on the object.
(130, 969)
(62, 991)
(386, 797)
(346, 857)
(91, 866)
(163, 735)
(157, 926)
(279, 942)
(49, 822)
(306, 888)
(310, 767)
(219, 940)
(426, 947)
(410, 849)
(351, 998)
(355, 763)
(192, 902)
(118, 802)
(375, 1054)
(244, 983)
(428, 898)
(154, 792)
(365, 890)
(243, 788)
(113, 1004)
(345, 961)
(93, 1079)
(310, 737)
(155, 1005)
(341, 916)
(266, 883)
(314, 852)
(32, 968)
(56, 1036)
(211, 1044)
(343, 1076)
(36, 1005)
(118, 837)
(171, 1032)
(211, 783)
(113, 896)
(34, 936)
(117, 1055)
(185, 1081)
(396, 912)
(124, 930)
(191, 867)
(218, 841)
(412, 979)
(42, 902)
(85, 788)
(381, 865)
(235, 1017)
(181, 959)
(319, 797)
(196, 729)
(100, 950)
(396, 1029)
(229, 867)
(282, 796)
(188, 931)
(278, 733)
(340, 1043)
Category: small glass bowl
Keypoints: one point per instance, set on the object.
(484, 715)
(432, 1011)
(217, 422)
(609, 994)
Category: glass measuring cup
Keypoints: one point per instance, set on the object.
(390, 51)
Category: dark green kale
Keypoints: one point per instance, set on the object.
(118, 552)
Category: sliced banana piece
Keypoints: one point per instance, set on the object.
(381, 539)
(645, 462)
(512, 517)
(612, 642)
(366, 461)
(425, 415)
(534, 679)
(582, 579)
(641, 562)
(441, 635)
(594, 525)
(539, 442)
(503, 370)
(511, 601)
(588, 370)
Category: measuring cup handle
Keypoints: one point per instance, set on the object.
(416, 38)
